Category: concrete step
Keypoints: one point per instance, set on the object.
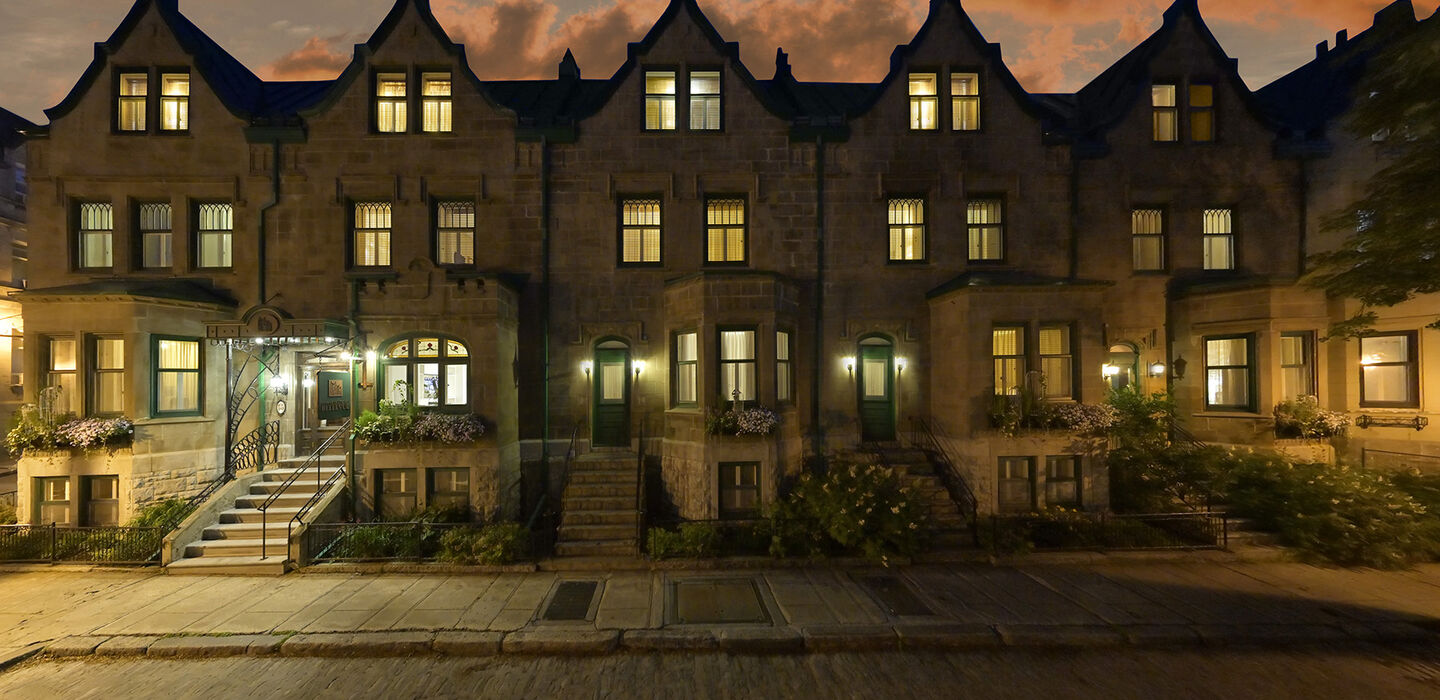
(577, 503)
(228, 566)
(597, 548)
(600, 490)
(280, 475)
(602, 517)
(274, 486)
(276, 514)
(604, 477)
(276, 547)
(589, 533)
(242, 531)
(291, 499)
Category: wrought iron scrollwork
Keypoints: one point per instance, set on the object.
(1416, 422)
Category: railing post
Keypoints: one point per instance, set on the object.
(54, 553)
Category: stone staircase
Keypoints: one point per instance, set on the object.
(233, 544)
(917, 473)
(599, 518)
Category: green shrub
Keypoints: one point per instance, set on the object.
(1303, 418)
(454, 513)
(860, 508)
(501, 543)
(663, 544)
(1424, 488)
(399, 422)
(167, 514)
(7, 514)
(691, 540)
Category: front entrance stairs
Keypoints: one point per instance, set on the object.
(599, 516)
(233, 544)
(949, 524)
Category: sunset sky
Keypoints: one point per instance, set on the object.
(1050, 45)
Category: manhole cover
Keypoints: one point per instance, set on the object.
(571, 601)
(895, 596)
(716, 601)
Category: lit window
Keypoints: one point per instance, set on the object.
(448, 488)
(725, 231)
(96, 228)
(640, 231)
(924, 102)
(426, 371)
(61, 374)
(1015, 485)
(134, 89)
(177, 376)
(1008, 351)
(435, 102)
(907, 229)
(174, 102)
(1389, 373)
(1227, 373)
(1057, 364)
(108, 377)
(155, 236)
(1147, 239)
(739, 490)
(1202, 113)
(704, 100)
(372, 234)
(660, 100)
(455, 233)
(1062, 480)
(53, 497)
(390, 103)
(687, 377)
(784, 379)
(1219, 240)
(737, 365)
(1166, 116)
(214, 234)
(965, 101)
(1297, 365)
(985, 219)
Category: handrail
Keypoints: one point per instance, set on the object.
(258, 448)
(922, 436)
(569, 462)
(313, 458)
(640, 493)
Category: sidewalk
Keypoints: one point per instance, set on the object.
(820, 608)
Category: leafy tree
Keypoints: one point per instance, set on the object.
(1393, 253)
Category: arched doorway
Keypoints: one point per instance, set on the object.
(1122, 366)
(610, 392)
(875, 387)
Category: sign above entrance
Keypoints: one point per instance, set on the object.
(268, 322)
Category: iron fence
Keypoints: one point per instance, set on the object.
(1102, 531)
(84, 545)
(748, 537)
(404, 541)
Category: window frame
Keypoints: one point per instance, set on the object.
(1078, 479)
(1163, 237)
(679, 366)
(352, 247)
(39, 498)
(1191, 110)
(785, 380)
(117, 79)
(1001, 462)
(744, 200)
(138, 219)
(1307, 354)
(1249, 367)
(690, 96)
(197, 238)
(433, 495)
(424, 100)
(436, 204)
(621, 228)
(912, 99)
(891, 228)
(646, 95)
(978, 98)
(161, 98)
(725, 489)
(1229, 237)
(1411, 363)
(156, 370)
(1173, 111)
(72, 403)
(721, 363)
(1021, 356)
(78, 234)
(442, 359)
(1070, 356)
(87, 498)
(93, 372)
(376, 99)
(970, 229)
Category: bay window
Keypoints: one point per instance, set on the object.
(107, 377)
(737, 365)
(426, 371)
(177, 380)
(686, 391)
(1008, 351)
(1389, 370)
(1229, 379)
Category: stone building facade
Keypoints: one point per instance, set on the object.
(612, 263)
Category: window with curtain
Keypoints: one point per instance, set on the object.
(1389, 370)
(1219, 240)
(985, 220)
(428, 371)
(660, 100)
(435, 104)
(965, 101)
(391, 103)
(907, 229)
(640, 231)
(1297, 365)
(61, 368)
(784, 378)
(174, 101)
(372, 234)
(156, 236)
(1147, 239)
(1202, 112)
(725, 231)
(52, 496)
(924, 102)
(455, 233)
(687, 377)
(1166, 115)
(214, 234)
(1057, 364)
(177, 379)
(1228, 375)
(96, 229)
(737, 365)
(107, 378)
(704, 100)
(131, 107)
(1008, 352)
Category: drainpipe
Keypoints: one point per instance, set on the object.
(352, 317)
(265, 209)
(818, 430)
(545, 312)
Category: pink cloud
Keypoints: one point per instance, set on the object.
(321, 58)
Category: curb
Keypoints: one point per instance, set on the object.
(738, 639)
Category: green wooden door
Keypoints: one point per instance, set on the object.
(876, 383)
(611, 427)
(332, 390)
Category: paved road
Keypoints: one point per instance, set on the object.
(1234, 674)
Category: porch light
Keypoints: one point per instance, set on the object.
(1177, 367)
(1109, 370)
(329, 340)
(307, 382)
(347, 357)
(281, 385)
(1157, 369)
(370, 356)
(259, 341)
(639, 366)
(901, 363)
(849, 363)
(586, 366)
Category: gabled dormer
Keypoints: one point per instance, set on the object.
(152, 69)
(409, 76)
(1178, 85)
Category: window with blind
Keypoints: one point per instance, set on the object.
(174, 101)
(784, 376)
(1057, 363)
(1219, 240)
(685, 390)
(95, 229)
(131, 102)
(1008, 352)
(1389, 370)
(725, 231)
(455, 233)
(924, 102)
(391, 103)
(1297, 365)
(1229, 378)
(660, 100)
(1165, 113)
(61, 365)
(1147, 239)
(985, 220)
(907, 230)
(107, 376)
(156, 236)
(640, 231)
(176, 380)
(371, 235)
(214, 235)
(965, 101)
(705, 100)
(737, 365)
(435, 104)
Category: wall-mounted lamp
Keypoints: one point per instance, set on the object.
(1177, 368)
(281, 384)
(638, 366)
(1109, 370)
(307, 382)
(901, 363)
(586, 367)
(370, 356)
(849, 363)
(347, 357)
(1157, 369)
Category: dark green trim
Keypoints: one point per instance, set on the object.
(155, 370)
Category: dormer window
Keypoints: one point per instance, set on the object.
(965, 101)
(134, 90)
(174, 102)
(660, 100)
(1166, 116)
(704, 100)
(435, 102)
(924, 102)
(390, 105)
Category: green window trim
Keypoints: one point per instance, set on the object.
(444, 358)
(156, 371)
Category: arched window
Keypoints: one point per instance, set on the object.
(431, 371)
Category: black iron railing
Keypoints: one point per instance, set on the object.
(321, 486)
(640, 493)
(88, 545)
(376, 542)
(922, 437)
(257, 449)
(569, 467)
(1102, 531)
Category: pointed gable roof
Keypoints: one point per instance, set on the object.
(238, 88)
(1107, 99)
(11, 126)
